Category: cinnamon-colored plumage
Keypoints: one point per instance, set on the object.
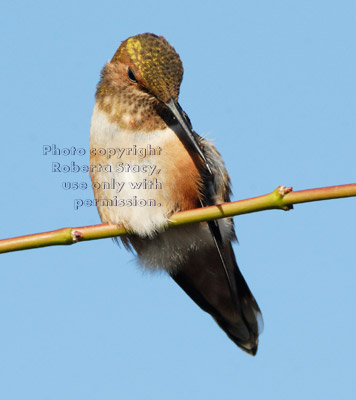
(137, 106)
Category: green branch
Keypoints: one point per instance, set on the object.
(283, 198)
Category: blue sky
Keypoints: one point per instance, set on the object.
(273, 83)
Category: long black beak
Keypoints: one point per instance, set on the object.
(185, 131)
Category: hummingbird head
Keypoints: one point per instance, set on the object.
(139, 88)
(152, 64)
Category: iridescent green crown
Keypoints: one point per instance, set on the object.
(155, 63)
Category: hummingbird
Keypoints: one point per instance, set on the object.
(147, 163)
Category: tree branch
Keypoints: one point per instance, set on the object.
(282, 198)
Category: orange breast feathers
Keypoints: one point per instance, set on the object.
(175, 171)
(182, 182)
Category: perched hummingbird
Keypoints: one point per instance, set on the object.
(147, 163)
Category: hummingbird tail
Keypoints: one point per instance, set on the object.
(227, 299)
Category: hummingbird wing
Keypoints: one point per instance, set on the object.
(211, 277)
(231, 305)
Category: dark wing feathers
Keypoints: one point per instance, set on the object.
(212, 278)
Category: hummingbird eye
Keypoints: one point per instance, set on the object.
(131, 75)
